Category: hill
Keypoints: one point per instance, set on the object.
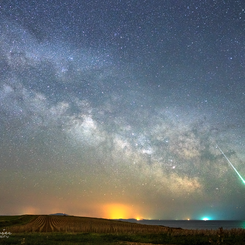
(60, 214)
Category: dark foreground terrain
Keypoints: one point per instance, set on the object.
(50, 229)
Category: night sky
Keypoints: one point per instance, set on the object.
(115, 108)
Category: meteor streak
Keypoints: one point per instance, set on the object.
(231, 164)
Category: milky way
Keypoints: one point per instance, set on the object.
(122, 103)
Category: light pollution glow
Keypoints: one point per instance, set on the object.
(120, 211)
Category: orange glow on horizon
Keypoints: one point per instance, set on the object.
(30, 210)
(119, 211)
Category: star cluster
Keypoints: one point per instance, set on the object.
(121, 104)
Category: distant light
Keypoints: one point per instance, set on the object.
(205, 218)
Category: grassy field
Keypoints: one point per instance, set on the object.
(132, 239)
(6, 221)
(45, 229)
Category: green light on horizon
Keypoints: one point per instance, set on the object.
(205, 218)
